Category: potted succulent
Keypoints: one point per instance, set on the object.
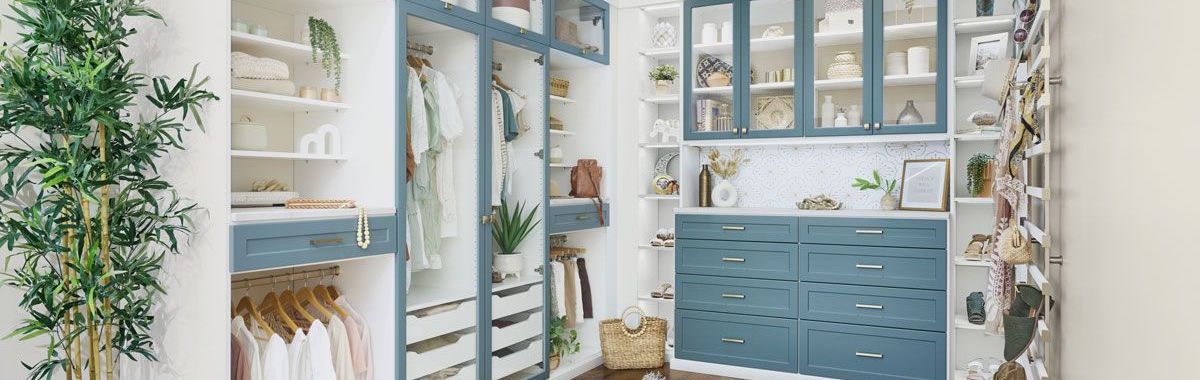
(510, 228)
(664, 78)
(887, 201)
(324, 41)
(562, 341)
(979, 174)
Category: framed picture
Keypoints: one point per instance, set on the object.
(925, 185)
(987, 48)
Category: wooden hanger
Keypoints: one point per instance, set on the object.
(246, 306)
(500, 82)
(288, 300)
(271, 305)
(307, 298)
(333, 292)
(322, 293)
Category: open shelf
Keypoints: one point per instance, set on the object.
(664, 99)
(653, 248)
(970, 81)
(984, 24)
(658, 146)
(974, 200)
(657, 197)
(977, 136)
(890, 33)
(272, 48)
(648, 298)
(560, 99)
(961, 322)
(662, 53)
(561, 133)
(963, 262)
(286, 156)
(888, 81)
(283, 102)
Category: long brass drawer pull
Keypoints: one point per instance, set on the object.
(866, 306)
(734, 296)
(583, 217)
(327, 241)
(733, 340)
(869, 232)
(868, 355)
(868, 266)
(733, 228)
(733, 259)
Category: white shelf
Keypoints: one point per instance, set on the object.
(663, 10)
(713, 90)
(985, 24)
(561, 133)
(963, 262)
(718, 48)
(658, 146)
(772, 86)
(283, 102)
(272, 48)
(970, 81)
(890, 33)
(961, 323)
(830, 140)
(659, 300)
(974, 200)
(894, 214)
(977, 136)
(562, 165)
(756, 45)
(561, 99)
(657, 197)
(838, 84)
(664, 99)
(888, 81)
(420, 297)
(272, 214)
(286, 156)
(662, 53)
(512, 282)
(653, 248)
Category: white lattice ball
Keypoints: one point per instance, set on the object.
(664, 35)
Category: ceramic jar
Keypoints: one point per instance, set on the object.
(724, 194)
(508, 263)
(515, 12)
(245, 134)
(897, 63)
(888, 202)
(663, 87)
(727, 32)
(854, 116)
(827, 110)
(918, 60)
(708, 33)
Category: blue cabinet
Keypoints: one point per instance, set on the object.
(467, 10)
(772, 261)
(874, 232)
(771, 298)
(876, 266)
(580, 27)
(276, 245)
(506, 16)
(874, 306)
(740, 340)
(575, 218)
(737, 228)
(863, 352)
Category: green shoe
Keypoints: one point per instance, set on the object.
(1020, 324)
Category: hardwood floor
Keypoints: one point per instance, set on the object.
(601, 373)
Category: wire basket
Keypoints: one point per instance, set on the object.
(559, 87)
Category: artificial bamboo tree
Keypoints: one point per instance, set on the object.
(85, 216)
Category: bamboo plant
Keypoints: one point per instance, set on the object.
(85, 216)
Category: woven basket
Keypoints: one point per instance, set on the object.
(844, 71)
(559, 87)
(644, 347)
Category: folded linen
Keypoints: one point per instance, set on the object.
(251, 67)
(270, 86)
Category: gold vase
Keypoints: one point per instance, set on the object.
(705, 187)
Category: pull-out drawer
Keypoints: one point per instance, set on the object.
(513, 359)
(779, 229)
(865, 352)
(447, 319)
(770, 298)
(875, 266)
(739, 340)
(272, 245)
(874, 232)
(517, 300)
(426, 358)
(876, 306)
(526, 326)
(575, 217)
(774, 261)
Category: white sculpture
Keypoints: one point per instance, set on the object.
(666, 129)
(325, 140)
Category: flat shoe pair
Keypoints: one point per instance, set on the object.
(1020, 324)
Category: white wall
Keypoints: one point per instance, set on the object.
(192, 328)
(1128, 151)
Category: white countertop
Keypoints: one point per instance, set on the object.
(897, 214)
(573, 201)
(240, 215)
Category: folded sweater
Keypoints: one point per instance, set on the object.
(270, 86)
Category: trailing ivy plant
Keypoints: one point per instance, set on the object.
(84, 214)
(324, 40)
(977, 172)
(563, 341)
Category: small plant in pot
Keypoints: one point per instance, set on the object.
(563, 341)
(510, 228)
(664, 78)
(887, 201)
(979, 174)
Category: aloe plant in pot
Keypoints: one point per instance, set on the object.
(510, 228)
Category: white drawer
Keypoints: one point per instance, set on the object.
(467, 372)
(514, 362)
(514, 303)
(525, 329)
(421, 364)
(422, 328)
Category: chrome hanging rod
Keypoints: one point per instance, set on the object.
(422, 48)
(246, 283)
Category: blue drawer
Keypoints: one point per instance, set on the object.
(875, 306)
(273, 245)
(768, 298)
(875, 266)
(575, 217)
(737, 228)
(740, 340)
(771, 261)
(864, 352)
(874, 232)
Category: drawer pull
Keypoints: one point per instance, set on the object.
(328, 241)
(868, 355)
(733, 260)
(868, 266)
(734, 296)
(869, 232)
(866, 306)
(583, 217)
(733, 340)
(733, 228)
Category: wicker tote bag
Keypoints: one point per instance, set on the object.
(1014, 246)
(643, 347)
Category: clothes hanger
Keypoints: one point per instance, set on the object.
(288, 299)
(500, 82)
(246, 306)
(271, 306)
(414, 62)
(307, 298)
(322, 293)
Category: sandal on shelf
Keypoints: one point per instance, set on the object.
(667, 293)
(975, 247)
(1020, 324)
(656, 242)
(975, 313)
(661, 290)
(669, 243)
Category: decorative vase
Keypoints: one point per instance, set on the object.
(910, 115)
(664, 35)
(897, 63)
(708, 33)
(984, 7)
(918, 60)
(554, 360)
(827, 111)
(663, 87)
(845, 66)
(854, 117)
(840, 121)
(248, 135)
(727, 32)
(705, 196)
(724, 194)
(888, 202)
(508, 263)
(556, 155)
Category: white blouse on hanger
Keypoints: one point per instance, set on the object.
(249, 346)
(316, 357)
(361, 347)
(339, 346)
(450, 128)
(295, 361)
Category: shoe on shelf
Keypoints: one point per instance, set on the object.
(975, 247)
(656, 242)
(975, 313)
(669, 243)
(1020, 324)
(661, 291)
(667, 293)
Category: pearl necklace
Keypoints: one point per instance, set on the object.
(363, 237)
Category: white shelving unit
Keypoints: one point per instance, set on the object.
(286, 156)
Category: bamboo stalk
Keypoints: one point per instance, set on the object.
(102, 141)
(65, 328)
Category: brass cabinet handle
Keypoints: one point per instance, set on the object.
(583, 217)
(868, 355)
(866, 126)
(878, 126)
(522, 30)
(868, 306)
(733, 340)
(326, 241)
(869, 232)
(733, 259)
(733, 228)
(868, 266)
(734, 296)
(448, 5)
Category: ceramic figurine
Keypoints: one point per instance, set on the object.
(666, 130)
(314, 143)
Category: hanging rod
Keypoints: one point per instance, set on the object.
(246, 283)
(420, 48)
(497, 66)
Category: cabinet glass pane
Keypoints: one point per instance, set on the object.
(471, 5)
(713, 63)
(524, 14)
(910, 63)
(772, 64)
(579, 24)
(838, 54)
(443, 266)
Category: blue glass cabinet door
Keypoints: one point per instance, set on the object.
(466, 9)
(510, 16)
(774, 55)
(910, 66)
(712, 39)
(838, 56)
(580, 27)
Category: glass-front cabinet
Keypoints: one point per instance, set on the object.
(712, 37)
(910, 74)
(773, 55)
(581, 28)
(466, 9)
(527, 19)
(841, 102)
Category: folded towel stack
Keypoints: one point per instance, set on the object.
(261, 74)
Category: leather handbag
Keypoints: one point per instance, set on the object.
(585, 183)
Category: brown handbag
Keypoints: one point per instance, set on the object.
(585, 183)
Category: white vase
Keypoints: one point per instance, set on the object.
(508, 263)
(663, 87)
(897, 63)
(724, 194)
(556, 155)
(708, 33)
(854, 117)
(827, 111)
(918, 60)
(664, 35)
(727, 32)
(840, 121)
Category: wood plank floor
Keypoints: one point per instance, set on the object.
(601, 373)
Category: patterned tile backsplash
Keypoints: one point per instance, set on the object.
(778, 177)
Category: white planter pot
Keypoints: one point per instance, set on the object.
(508, 263)
(663, 87)
(888, 202)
